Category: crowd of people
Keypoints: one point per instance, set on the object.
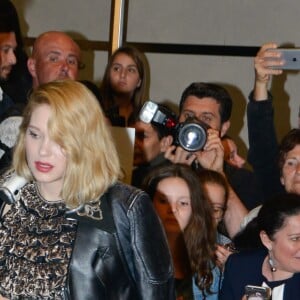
(192, 225)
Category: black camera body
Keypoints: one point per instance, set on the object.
(191, 134)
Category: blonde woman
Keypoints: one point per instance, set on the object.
(73, 231)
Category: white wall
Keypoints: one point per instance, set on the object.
(226, 22)
(86, 20)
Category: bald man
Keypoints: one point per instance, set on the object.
(55, 56)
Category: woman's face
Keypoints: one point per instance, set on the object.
(291, 171)
(285, 246)
(124, 74)
(172, 202)
(46, 159)
(216, 195)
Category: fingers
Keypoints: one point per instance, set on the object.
(264, 60)
(222, 254)
(212, 156)
(213, 141)
(178, 155)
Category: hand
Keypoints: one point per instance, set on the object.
(263, 72)
(178, 155)
(263, 61)
(212, 155)
(222, 254)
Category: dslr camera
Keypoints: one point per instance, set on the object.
(191, 134)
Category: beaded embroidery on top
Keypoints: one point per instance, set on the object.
(35, 247)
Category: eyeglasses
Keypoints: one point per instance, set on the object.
(291, 163)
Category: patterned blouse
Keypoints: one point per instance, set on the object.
(35, 247)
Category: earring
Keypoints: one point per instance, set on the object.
(271, 263)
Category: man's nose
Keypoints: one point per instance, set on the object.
(65, 65)
(12, 58)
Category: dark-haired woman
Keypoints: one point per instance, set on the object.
(276, 261)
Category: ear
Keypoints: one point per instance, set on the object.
(165, 143)
(265, 240)
(31, 66)
(139, 83)
(282, 180)
(224, 128)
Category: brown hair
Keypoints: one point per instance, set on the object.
(140, 94)
(200, 233)
(288, 143)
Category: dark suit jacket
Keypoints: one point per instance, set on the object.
(245, 268)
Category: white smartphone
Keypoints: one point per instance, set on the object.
(254, 292)
(291, 57)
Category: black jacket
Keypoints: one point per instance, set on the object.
(263, 146)
(245, 268)
(123, 256)
(120, 252)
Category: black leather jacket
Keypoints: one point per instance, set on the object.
(123, 256)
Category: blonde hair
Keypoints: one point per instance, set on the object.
(78, 125)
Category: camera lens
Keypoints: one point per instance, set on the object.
(191, 136)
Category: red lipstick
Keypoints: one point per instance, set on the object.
(43, 167)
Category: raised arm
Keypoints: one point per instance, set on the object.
(263, 72)
(263, 146)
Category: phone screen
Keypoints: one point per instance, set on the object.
(257, 292)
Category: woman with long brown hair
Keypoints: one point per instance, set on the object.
(187, 217)
(124, 85)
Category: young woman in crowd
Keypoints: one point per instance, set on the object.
(273, 260)
(216, 189)
(187, 218)
(124, 85)
(73, 231)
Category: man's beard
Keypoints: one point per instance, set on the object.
(5, 72)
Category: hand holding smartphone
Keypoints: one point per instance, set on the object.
(253, 292)
(289, 56)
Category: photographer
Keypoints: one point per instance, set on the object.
(211, 104)
(151, 141)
